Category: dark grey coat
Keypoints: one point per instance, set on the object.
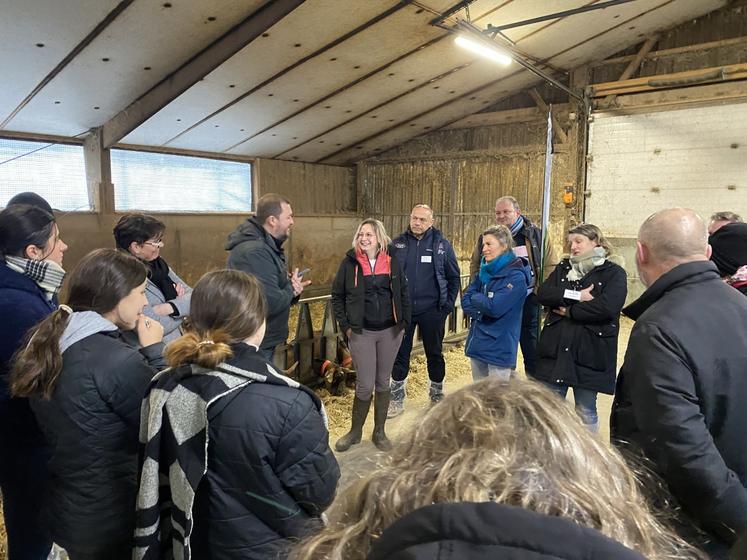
(253, 250)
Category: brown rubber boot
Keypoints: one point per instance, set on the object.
(360, 412)
(381, 407)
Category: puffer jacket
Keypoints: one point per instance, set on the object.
(349, 295)
(253, 250)
(496, 310)
(270, 469)
(488, 531)
(580, 349)
(91, 423)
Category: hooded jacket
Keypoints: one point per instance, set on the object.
(253, 250)
(91, 423)
(681, 393)
(488, 531)
(495, 308)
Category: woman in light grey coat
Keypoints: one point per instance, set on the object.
(168, 296)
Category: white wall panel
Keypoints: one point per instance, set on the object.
(693, 157)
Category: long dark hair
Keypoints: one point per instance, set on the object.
(227, 306)
(22, 225)
(101, 280)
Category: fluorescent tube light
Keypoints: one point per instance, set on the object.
(483, 50)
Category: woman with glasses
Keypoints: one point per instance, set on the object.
(168, 296)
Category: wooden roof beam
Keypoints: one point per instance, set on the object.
(557, 128)
(194, 70)
(634, 64)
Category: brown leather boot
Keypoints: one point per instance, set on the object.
(381, 407)
(360, 412)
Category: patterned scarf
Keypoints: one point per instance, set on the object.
(584, 263)
(48, 275)
(518, 224)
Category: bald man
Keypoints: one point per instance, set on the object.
(681, 398)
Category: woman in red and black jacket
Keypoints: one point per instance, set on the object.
(372, 307)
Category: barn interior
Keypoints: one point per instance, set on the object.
(358, 108)
(363, 108)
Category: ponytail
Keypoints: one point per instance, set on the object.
(38, 364)
(206, 350)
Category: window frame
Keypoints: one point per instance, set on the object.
(254, 176)
(65, 141)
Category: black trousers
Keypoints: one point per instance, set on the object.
(528, 337)
(432, 327)
(23, 478)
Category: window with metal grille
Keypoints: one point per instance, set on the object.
(159, 182)
(56, 172)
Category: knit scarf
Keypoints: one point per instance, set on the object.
(47, 275)
(518, 224)
(584, 263)
(490, 269)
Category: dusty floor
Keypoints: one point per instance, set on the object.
(364, 456)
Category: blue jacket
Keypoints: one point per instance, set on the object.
(22, 305)
(433, 282)
(496, 309)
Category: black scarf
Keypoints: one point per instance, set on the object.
(159, 275)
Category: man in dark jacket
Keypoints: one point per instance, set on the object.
(432, 272)
(256, 247)
(529, 245)
(681, 392)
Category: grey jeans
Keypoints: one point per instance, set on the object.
(481, 370)
(373, 353)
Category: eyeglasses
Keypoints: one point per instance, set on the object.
(156, 244)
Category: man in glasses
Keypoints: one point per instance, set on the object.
(432, 273)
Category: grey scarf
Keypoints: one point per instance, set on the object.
(584, 263)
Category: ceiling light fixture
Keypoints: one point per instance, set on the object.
(486, 51)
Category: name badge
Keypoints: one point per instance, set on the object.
(426, 259)
(521, 251)
(490, 294)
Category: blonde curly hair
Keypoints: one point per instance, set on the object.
(512, 443)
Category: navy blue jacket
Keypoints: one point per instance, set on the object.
(433, 282)
(22, 305)
(496, 309)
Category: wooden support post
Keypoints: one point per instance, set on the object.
(537, 98)
(98, 173)
(632, 68)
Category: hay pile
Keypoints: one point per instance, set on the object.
(458, 373)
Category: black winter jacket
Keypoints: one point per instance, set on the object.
(682, 390)
(349, 295)
(255, 251)
(488, 531)
(92, 423)
(270, 470)
(580, 349)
